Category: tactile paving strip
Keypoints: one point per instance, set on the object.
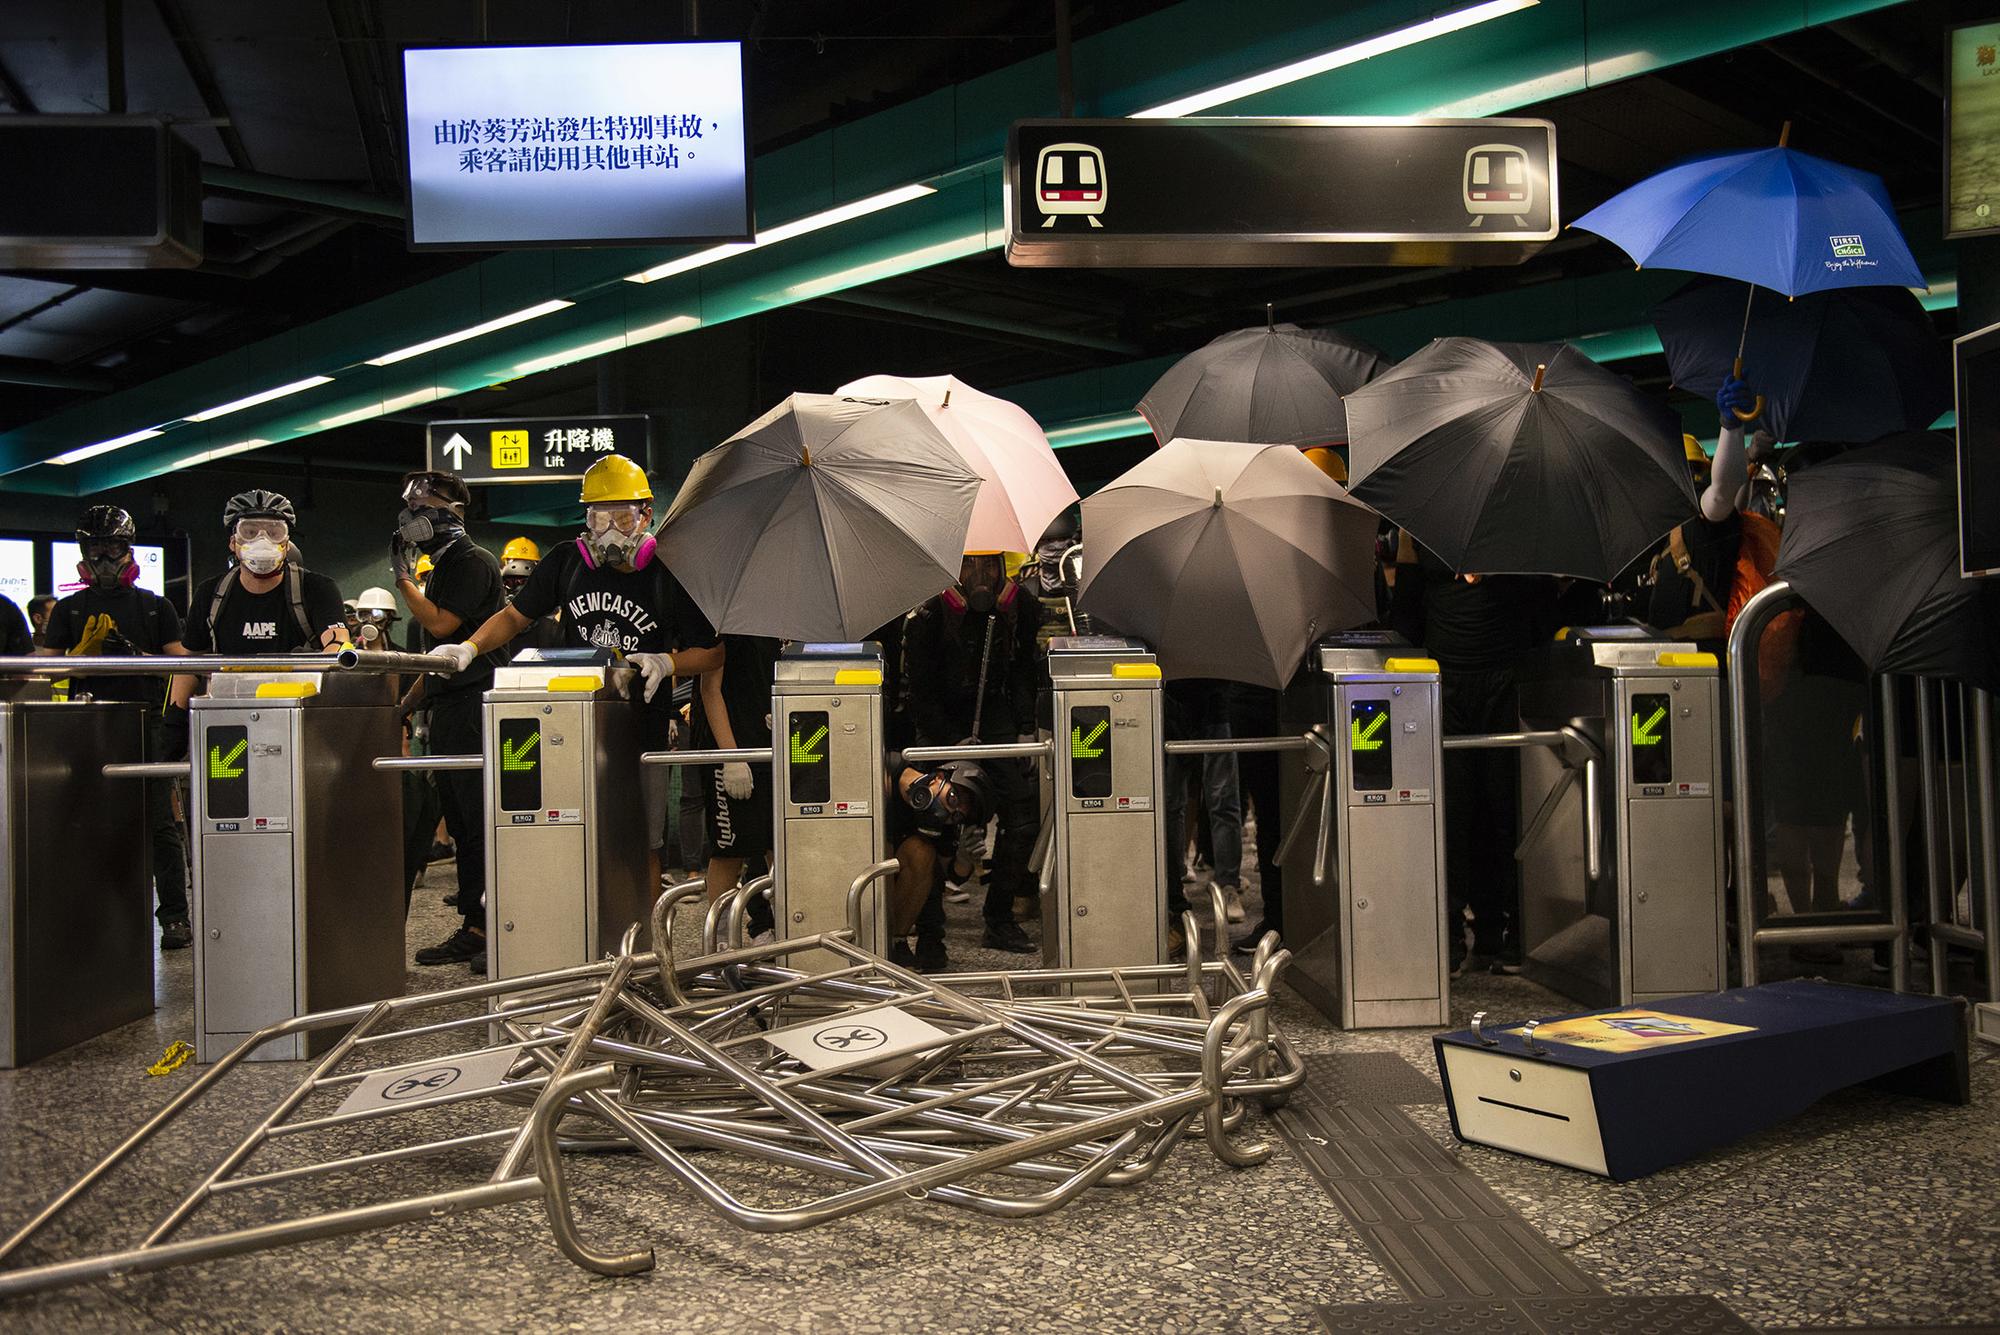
(1439, 1231)
(1369, 1077)
(1601, 1314)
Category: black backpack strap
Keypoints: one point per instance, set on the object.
(295, 593)
(222, 588)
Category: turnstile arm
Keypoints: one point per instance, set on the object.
(160, 665)
(929, 755)
(749, 755)
(1319, 757)
(1216, 746)
(152, 769)
(1480, 741)
(870, 874)
(428, 762)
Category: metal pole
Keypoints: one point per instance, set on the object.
(420, 762)
(1890, 752)
(930, 755)
(1234, 745)
(1478, 741)
(1989, 838)
(1745, 641)
(749, 755)
(1927, 759)
(162, 665)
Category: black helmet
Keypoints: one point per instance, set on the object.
(972, 792)
(106, 523)
(258, 503)
(1063, 528)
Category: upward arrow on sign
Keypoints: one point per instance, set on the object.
(457, 449)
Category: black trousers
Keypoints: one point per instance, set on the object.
(455, 731)
(1017, 802)
(422, 811)
(1482, 799)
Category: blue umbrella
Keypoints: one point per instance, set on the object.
(1774, 217)
(1771, 217)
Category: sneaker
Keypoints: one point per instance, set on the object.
(1507, 960)
(451, 900)
(457, 948)
(1009, 937)
(959, 892)
(1247, 944)
(477, 964)
(901, 955)
(1188, 877)
(442, 852)
(931, 956)
(175, 934)
(1232, 903)
(766, 937)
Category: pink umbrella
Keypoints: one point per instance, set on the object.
(1023, 487)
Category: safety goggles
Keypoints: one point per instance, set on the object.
(105, 549)
(249, 530)
(627, 519)
(424, 489)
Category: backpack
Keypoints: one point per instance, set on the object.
(1756, 557)
(295, 594)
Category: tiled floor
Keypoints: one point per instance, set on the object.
(1869, 1210)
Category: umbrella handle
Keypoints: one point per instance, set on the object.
(1757, 408)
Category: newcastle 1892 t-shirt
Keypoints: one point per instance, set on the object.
(629, 612)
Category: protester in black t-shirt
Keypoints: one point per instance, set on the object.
(15, 637)
(113, 615)
(463, 589)
(735, 711)
(614, 593)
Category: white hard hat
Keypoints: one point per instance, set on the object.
(375, 600)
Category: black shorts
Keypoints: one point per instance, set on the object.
(738, 829)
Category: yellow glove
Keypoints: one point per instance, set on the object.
(95, 630)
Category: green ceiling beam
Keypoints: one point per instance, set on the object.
(952, 138)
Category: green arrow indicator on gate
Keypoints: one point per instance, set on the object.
(1364, 739)
(1085, 748)
(802, 751)
(516, 758)
(1642, 733)
(225, 767)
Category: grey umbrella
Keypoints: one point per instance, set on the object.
(824, 519)
(1229, 559)
(1278, 385)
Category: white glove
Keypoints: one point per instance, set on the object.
(461, 655)
(736, 780)
(654, 669)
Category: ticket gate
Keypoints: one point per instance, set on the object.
(1109, 900)
(828, 790)
(1634, 911)
(76, 899)
(1365, 908)
(566, 855)
(297, 897)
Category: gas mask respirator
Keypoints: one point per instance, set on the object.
(428, 528)
(261, 556)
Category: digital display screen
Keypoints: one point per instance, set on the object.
(17, 570)
(1090, 751)
(811, 781)
(1652, 739)
(577, 145)
(226, 769)
(520, 764)
(1371, 744)
(1972, 130)
(1978, 366)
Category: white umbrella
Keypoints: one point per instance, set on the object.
(1025, 488)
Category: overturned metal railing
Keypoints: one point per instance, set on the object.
(1024, 1095)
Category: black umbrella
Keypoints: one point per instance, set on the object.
(1871, 543)
(1519, 458)
(1848, 364)
(1278, 385)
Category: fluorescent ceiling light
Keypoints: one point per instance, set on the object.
(921, 258)
(237, 405)
(104, 447)
(568, 355)
(680, 324)
(446, 340)
(1090, 430)
(1351, 54)
(428, 394)
(221, 452)
(859, 208)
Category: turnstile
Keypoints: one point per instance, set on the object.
(566, 860)
(1109, 905)
(828, 790)
(1367, 924)
(76, 901)
(1634, 910)
(297, 897)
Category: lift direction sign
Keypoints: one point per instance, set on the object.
(534, 449)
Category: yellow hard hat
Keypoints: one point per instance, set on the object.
(1012, 562)
(1328, 462)
(520, 549)
(615, 478)
(424, 566)
(1692, 449)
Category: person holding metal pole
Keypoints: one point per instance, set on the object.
(734, 710)
(112, 614)
(614, 593)
(463, 589)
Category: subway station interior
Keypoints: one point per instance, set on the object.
(1043, 665)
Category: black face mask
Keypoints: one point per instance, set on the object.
(428, 528)
(981, 599)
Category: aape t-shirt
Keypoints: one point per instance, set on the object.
(630, 612)
(262, 623)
